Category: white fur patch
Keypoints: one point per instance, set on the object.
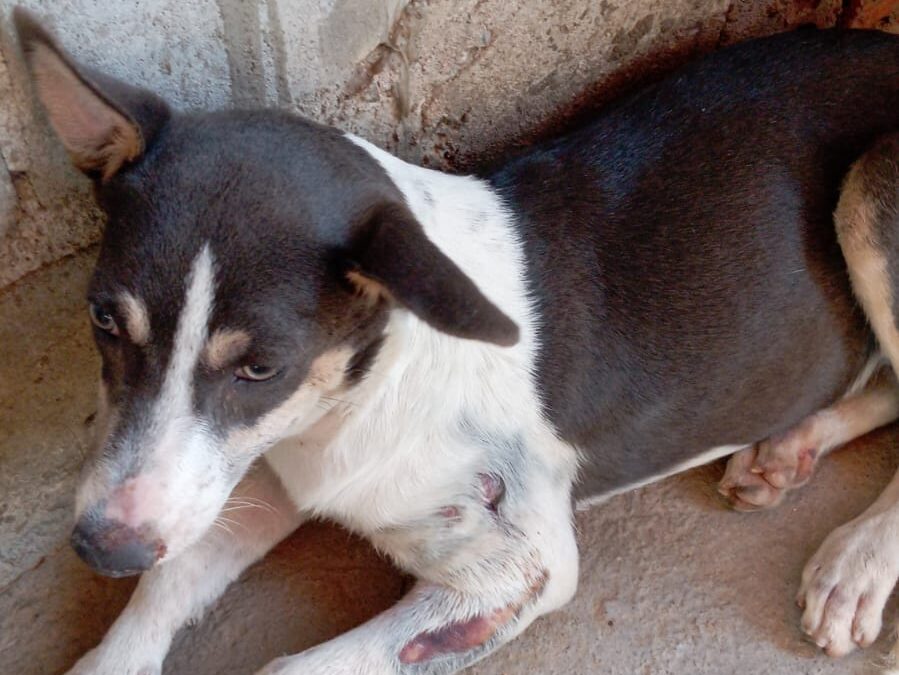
(396, 453)
(389, 453)
(193, 328)
(181, 471)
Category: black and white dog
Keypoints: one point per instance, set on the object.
(450, 365)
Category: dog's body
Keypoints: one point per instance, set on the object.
(691, 290)
(670, 277)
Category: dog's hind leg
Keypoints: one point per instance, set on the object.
(847, 582)
(257, 517)
(759, 476)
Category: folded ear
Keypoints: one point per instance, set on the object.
(103, 123)
(392, 257)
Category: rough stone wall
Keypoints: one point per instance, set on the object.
(445, 83)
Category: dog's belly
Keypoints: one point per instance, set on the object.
(659, 427)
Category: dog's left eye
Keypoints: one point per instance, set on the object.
(103, 319)
(255, 372)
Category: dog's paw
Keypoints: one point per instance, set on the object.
(787, 461)
(746, 488)
(847, 582)
(760, 476)
(101, 662)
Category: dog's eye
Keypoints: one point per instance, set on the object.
(103, 319)
(255, 373)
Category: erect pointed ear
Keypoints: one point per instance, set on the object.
(393, 257)
(103, 123)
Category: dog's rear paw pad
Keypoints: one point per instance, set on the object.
(845, 587)
(787, 461)
(758, 477)
(746, 489)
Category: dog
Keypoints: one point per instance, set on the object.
(294, 323)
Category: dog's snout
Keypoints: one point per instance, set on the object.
(114, 549)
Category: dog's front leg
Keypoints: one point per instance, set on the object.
(434, 630)
(492, 564)
(257, 517)
(848, 581)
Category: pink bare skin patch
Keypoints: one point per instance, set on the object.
(462, 636)
(493, 490)
(457, 637)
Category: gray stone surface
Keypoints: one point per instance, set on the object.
(449, 83)
(672, 582)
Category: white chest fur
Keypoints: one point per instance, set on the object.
(395, 448)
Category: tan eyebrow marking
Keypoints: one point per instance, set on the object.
(328, 369)
(137, 319)
(225, 345)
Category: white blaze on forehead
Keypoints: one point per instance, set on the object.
(190, 337)
(137, 319)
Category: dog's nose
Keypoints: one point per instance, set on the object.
(114, 549)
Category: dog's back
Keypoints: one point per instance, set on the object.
(696, 218)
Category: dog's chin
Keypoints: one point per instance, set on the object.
(113, 572)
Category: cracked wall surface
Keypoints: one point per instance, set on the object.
(447, 83)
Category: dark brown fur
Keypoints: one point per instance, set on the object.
(683, 252)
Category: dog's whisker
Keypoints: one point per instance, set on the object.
(221, 526)
(339, 400)
(249, 502)
(231, 521)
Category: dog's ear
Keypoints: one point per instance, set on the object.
(103, 123)
(392, 257)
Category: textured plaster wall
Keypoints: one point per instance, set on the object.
(440, 82)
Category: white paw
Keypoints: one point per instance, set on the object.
(847, 582)
(100, 661)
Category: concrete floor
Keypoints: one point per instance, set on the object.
(671, 580)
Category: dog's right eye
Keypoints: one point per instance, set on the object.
(103, 319)
(255, 373)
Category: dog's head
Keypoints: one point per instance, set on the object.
(247, 269)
